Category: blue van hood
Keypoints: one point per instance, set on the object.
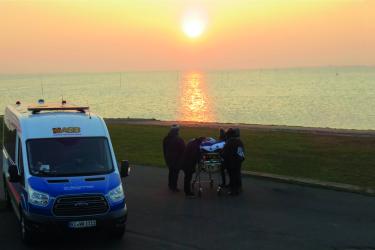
(57, 186)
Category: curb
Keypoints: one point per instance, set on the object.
(312, 183)
(305, 182)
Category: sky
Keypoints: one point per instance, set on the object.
(119, 35)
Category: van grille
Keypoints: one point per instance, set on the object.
(80, 205)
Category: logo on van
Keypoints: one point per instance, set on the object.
(69, 130)
(81, 204)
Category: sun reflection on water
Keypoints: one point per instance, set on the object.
(195, 102)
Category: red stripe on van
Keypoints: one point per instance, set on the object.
(14, 191)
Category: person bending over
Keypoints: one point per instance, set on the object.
(191, 158)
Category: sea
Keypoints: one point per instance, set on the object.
(328, 97)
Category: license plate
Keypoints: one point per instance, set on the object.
(82, 224)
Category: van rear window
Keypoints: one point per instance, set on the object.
(76, 156)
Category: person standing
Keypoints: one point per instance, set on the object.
(234, 155)
(191, 158)
(173, 150)
(222, 137)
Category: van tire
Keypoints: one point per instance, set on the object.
(27, 235)
(118, 232)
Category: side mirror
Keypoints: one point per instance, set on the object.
(124, 168)
(13, 173)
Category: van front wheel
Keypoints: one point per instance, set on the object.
(26, 233)
(118, 232)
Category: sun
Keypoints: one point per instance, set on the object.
(193, 28)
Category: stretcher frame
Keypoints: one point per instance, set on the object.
(210, 164)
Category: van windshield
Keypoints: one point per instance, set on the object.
(69, 156)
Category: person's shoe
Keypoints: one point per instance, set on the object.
(233, 193)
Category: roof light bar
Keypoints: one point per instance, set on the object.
(56, 107)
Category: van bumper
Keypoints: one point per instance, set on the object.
(110, 220)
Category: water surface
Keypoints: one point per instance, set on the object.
(313, 97)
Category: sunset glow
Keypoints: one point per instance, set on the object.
(65, 36)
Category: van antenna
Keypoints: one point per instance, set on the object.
(41, 85)
(120, 79)
(87, 102)
(62, 94)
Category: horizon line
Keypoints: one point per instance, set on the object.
(39, 74)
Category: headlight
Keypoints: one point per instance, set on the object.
(116, 194)
(38, 198)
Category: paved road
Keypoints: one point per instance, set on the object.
(267, 216)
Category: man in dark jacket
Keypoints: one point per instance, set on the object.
(234, 155)
(173, 149)
(191, 158)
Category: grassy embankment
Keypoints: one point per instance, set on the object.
(335, 158)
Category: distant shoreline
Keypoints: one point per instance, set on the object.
(298, 129)
(52, 73)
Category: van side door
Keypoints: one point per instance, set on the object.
(16, 189)
(10, 158)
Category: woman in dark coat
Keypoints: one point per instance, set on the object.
(173, 149)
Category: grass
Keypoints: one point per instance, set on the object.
(335, 158)
(343, 159)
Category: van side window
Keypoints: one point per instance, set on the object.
(10, 141)
(20, 162)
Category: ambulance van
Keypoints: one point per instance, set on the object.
(60, 172)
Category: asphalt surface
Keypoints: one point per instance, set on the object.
(268, 215)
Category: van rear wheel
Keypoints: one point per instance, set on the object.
(6, 196)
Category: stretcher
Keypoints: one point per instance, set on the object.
(210, 164)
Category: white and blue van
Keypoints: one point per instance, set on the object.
(60, 171)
